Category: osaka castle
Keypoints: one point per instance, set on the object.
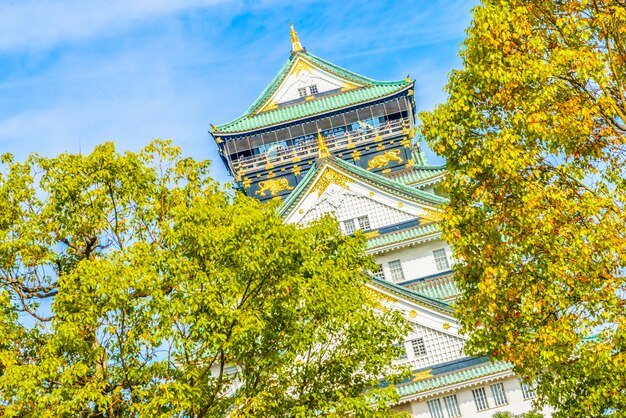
(326, 140)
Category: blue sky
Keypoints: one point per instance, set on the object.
(76, 73)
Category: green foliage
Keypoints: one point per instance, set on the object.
(133, 285)
(529, 414)
(534, 134)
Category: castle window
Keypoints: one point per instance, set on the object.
(395, 268)
(364, 222)
(379, 272)
(441, 260)
(419, 348)
(302, 91)
(452, 406)
(349, 226)
(497, 391)
(528, 390)
(480, 398)
(434, 407)
(402, 349)
(313, 89)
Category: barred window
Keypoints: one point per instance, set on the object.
(379, 272)
(302, 91)
(452, 406)
(480, 398)
(364, 222)
(349, 226)
(499, 395)
(441, 260)
(395, 268)
(313, 89)
(434, 407)
(419, 348)
(402, 348)
(528, 390)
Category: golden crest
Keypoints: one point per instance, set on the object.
(424, 374)
(273, 186)
(329, 177)
(432, 216)
(381, 161)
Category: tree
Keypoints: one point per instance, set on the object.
(529, 414)
(134, 285)
(534, 133)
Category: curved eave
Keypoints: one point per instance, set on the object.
(401, 243)
(456, 380)
(411, 295)
(402, 86)
(324, 65)
(375, 180)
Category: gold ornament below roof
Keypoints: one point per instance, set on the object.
(331, 176)
(322, 147)
(296, 46)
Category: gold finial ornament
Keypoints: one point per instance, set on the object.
(322, 148)
(296, 46)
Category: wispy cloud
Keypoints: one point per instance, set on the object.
(37, 23)
(78, 73)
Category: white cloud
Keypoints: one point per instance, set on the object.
(37, 23)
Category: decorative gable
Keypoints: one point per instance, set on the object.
(305, 80)
(434, 336)
(333, 190)
(346, 204)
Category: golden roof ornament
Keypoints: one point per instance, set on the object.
(321, 145)
(296, 46)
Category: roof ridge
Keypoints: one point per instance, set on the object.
(338, 163)
(432, 198)
(320, 62)
(412, 294)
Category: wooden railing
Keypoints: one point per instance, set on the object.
(308, 149)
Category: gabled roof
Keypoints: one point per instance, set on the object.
(487, 368)
(376, 180)
(417, 231)
(362, 90)
(412, 295)
(422, 173)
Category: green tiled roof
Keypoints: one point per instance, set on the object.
(371, 90)
(411, 294)
(445, 290)
(392, 185)
(453, 378)
(402, 235)
(419, 175)
(376, 180)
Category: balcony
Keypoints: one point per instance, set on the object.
(309, 149)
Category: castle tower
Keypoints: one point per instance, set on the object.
(326, 140)
(310, 104)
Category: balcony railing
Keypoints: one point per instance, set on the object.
(308, 149)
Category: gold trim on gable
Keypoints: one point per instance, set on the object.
(331, 176)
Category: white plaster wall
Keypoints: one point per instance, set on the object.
(349, 205)
(416, 261)
(440, 347)
(289, 88)
(516, 403)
